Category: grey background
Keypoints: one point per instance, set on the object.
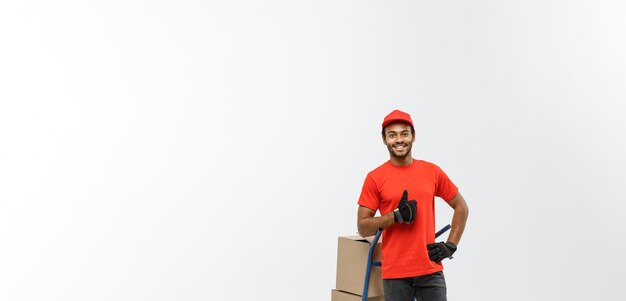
(194, 150)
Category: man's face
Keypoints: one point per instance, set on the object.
(399, 139)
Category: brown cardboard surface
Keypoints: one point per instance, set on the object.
(337, 295)
(370, 239)
(351, 263)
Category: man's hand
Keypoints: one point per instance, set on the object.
(406, 211)
(440, 250)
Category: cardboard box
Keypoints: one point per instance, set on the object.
(337, 295)
(351, 263)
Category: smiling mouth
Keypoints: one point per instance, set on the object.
(399, 147)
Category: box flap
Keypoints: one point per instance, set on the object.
(353, 237)
(358, 237)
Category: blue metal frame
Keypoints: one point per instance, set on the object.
(370, 254)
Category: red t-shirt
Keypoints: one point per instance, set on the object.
(404, 252)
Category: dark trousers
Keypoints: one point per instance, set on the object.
(423, 288)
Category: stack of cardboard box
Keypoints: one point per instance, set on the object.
(352, 254)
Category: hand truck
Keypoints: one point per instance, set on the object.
(371, 263)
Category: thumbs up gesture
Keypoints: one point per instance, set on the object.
(406, 211)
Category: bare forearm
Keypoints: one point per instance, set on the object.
(458, 223)
(368, 226)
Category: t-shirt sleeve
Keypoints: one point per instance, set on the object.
(445, 188)
(370, 197)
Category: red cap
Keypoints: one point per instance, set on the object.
(397, 115)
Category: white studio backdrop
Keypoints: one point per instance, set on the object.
(202, 150)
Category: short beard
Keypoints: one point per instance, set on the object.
(392, 152)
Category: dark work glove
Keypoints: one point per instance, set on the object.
(440, 250)
(406, 211)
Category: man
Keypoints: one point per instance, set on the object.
(403, 189)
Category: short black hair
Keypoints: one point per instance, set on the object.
(412, 131)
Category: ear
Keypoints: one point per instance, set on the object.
(384, 141)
